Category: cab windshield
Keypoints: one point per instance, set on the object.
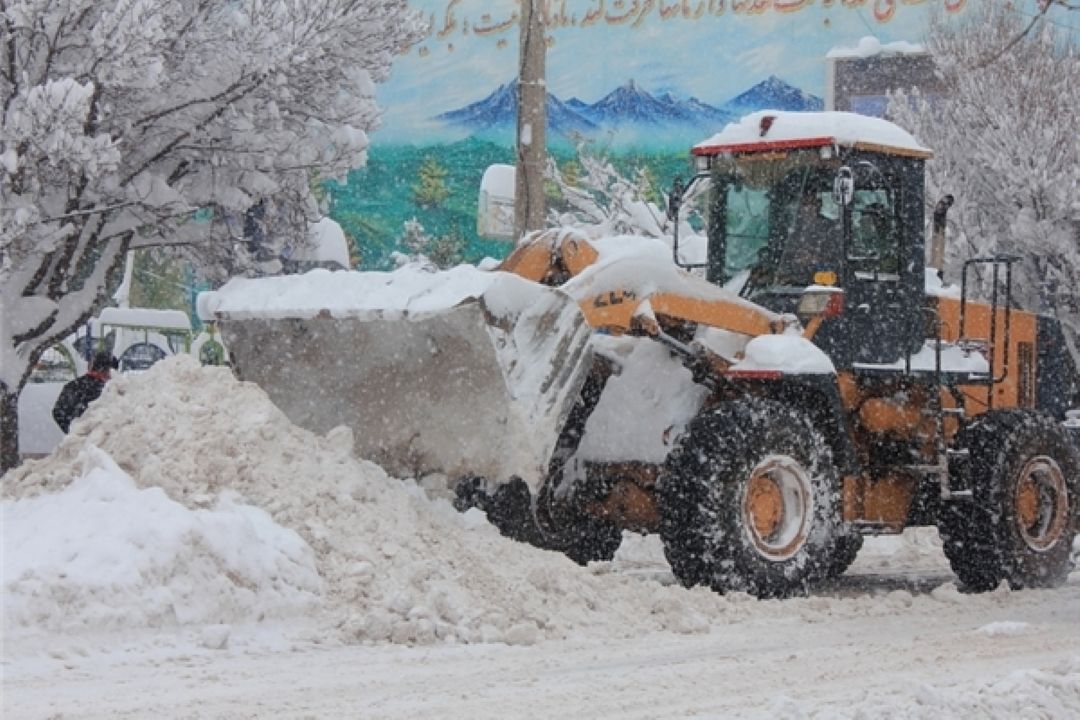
(776, 218)
(777, 223)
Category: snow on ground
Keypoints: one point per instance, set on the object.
(187, 552)
(396, 566)
(103, 554)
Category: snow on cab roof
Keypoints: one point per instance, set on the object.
(768, 130)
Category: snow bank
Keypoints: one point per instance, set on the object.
(101, 553)
(394, 565)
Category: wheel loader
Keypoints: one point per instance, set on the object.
(762, 399)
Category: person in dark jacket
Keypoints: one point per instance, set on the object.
(80, 392)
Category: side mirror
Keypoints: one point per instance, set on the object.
(675, 198)
(844, 186)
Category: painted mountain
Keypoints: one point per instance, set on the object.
(498, 111)
(773, 94)
(630, 104)
(637, 116)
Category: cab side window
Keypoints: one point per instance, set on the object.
(875, 232)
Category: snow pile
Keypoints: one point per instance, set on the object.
(394, 565)
(788, 353)
(103, 554)
(642, 267)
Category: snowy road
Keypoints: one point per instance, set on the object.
(931, 654)
(188, 553)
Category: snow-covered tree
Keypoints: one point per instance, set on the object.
(428, 251)
(1004, 135)
(129, 123)
(591, 194)
(594, 193)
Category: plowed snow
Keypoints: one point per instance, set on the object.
(396, 566)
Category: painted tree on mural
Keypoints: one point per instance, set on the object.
(1004, 134)
(123, 118)
(430, 251)
(430, 190)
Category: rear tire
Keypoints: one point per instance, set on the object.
(1021, 521)
(749, 501)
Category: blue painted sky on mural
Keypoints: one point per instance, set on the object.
(677, 46)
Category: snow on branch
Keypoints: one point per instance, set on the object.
(590, 191)
(161, 122)
(1004, 136)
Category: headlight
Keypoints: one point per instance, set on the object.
(821, 301)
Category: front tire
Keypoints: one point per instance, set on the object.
(1020, 523)
(569, 529)
(749, 501)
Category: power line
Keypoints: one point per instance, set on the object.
(1044, 15)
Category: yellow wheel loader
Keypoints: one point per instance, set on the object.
(798, 382)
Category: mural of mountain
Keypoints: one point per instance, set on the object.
(630, 106)
(576, 104)
(629, 103)
(498, 111)
(698, 109)
(773, 94)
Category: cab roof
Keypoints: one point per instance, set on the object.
(772, 130)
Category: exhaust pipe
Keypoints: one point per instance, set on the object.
(937, 239)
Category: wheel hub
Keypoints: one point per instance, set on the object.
(777, 507)
(765, 503)
(1042, 503)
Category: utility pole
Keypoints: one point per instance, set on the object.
(531, 122)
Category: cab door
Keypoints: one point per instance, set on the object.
(882, 298)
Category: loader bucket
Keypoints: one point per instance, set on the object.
(480, 387)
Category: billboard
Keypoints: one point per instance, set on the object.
(638, 80)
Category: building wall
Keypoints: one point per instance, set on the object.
(638, 80)
(862, 85)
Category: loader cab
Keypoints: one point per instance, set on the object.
(809, 211)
